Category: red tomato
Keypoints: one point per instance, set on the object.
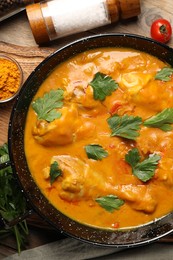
(115, 225)
(161, 30)
(114, 107)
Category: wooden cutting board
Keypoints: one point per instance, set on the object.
(28, 58)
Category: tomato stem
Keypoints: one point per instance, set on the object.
(163, 29)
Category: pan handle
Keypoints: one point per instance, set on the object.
(7, 225)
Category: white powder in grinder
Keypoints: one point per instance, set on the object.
(77, 15)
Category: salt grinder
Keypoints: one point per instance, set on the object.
(50, 20)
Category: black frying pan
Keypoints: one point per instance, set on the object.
(123, 238)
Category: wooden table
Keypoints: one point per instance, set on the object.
(16, 39)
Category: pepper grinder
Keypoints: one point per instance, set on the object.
(12, 7)
(50, 20)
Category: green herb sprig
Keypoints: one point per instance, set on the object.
(12, 202)
(103, 85)
(162, 120)
(46, 106)
(164, 74)
(142, 170)
(110, 202)
(95, 152)
(125, 126)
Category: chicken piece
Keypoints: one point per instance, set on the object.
(149, 99)
(154, 139)
(60, 131)
(86, 102)
(85, 130)
(138, 196)
(132, 82)
(80, 182)
(165, 171)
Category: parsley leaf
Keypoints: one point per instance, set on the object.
(46, 106)
(12, 202)
(164, 74)
(110, 202)
(142, 170)
(55, 171)
(103, 85)
(162, 120)
(95, 151)
(4, 157)
(125, 126)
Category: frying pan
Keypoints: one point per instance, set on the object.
(124, 238)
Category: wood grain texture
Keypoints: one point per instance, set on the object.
(16, 40)
(28, 58)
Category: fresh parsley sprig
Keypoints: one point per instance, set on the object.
(110, 202)
(12, 202)
(46, 106)
(125, 126)
(95, 152)
(103, 85)
(162, 120)
(144, 170)
(164, 74)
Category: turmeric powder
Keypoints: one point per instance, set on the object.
(9, 78)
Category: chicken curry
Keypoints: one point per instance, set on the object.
(99, 138)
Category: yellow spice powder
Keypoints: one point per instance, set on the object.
(9, 78)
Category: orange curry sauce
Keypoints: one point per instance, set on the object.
(84, 122)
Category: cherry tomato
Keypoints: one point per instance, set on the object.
(161, 30)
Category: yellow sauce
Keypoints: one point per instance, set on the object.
(84, 122)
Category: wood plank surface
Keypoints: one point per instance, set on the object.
(17, 41)
(28, 58)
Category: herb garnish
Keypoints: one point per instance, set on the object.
(110, 202)
(12, 202)
(125, 126)
(164, 74)
(55, 171)
(162, 120)
(95, 151)
(103, 85)
(46, 106)
(142, 170)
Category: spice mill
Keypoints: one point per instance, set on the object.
(12, 7)
(50, 20)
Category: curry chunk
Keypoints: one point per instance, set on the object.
(87, 105)
(154, 139)
(165, 171)
(61, 131)
(132, 82)
(81, 182)
(140, 197)
(153, 98)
